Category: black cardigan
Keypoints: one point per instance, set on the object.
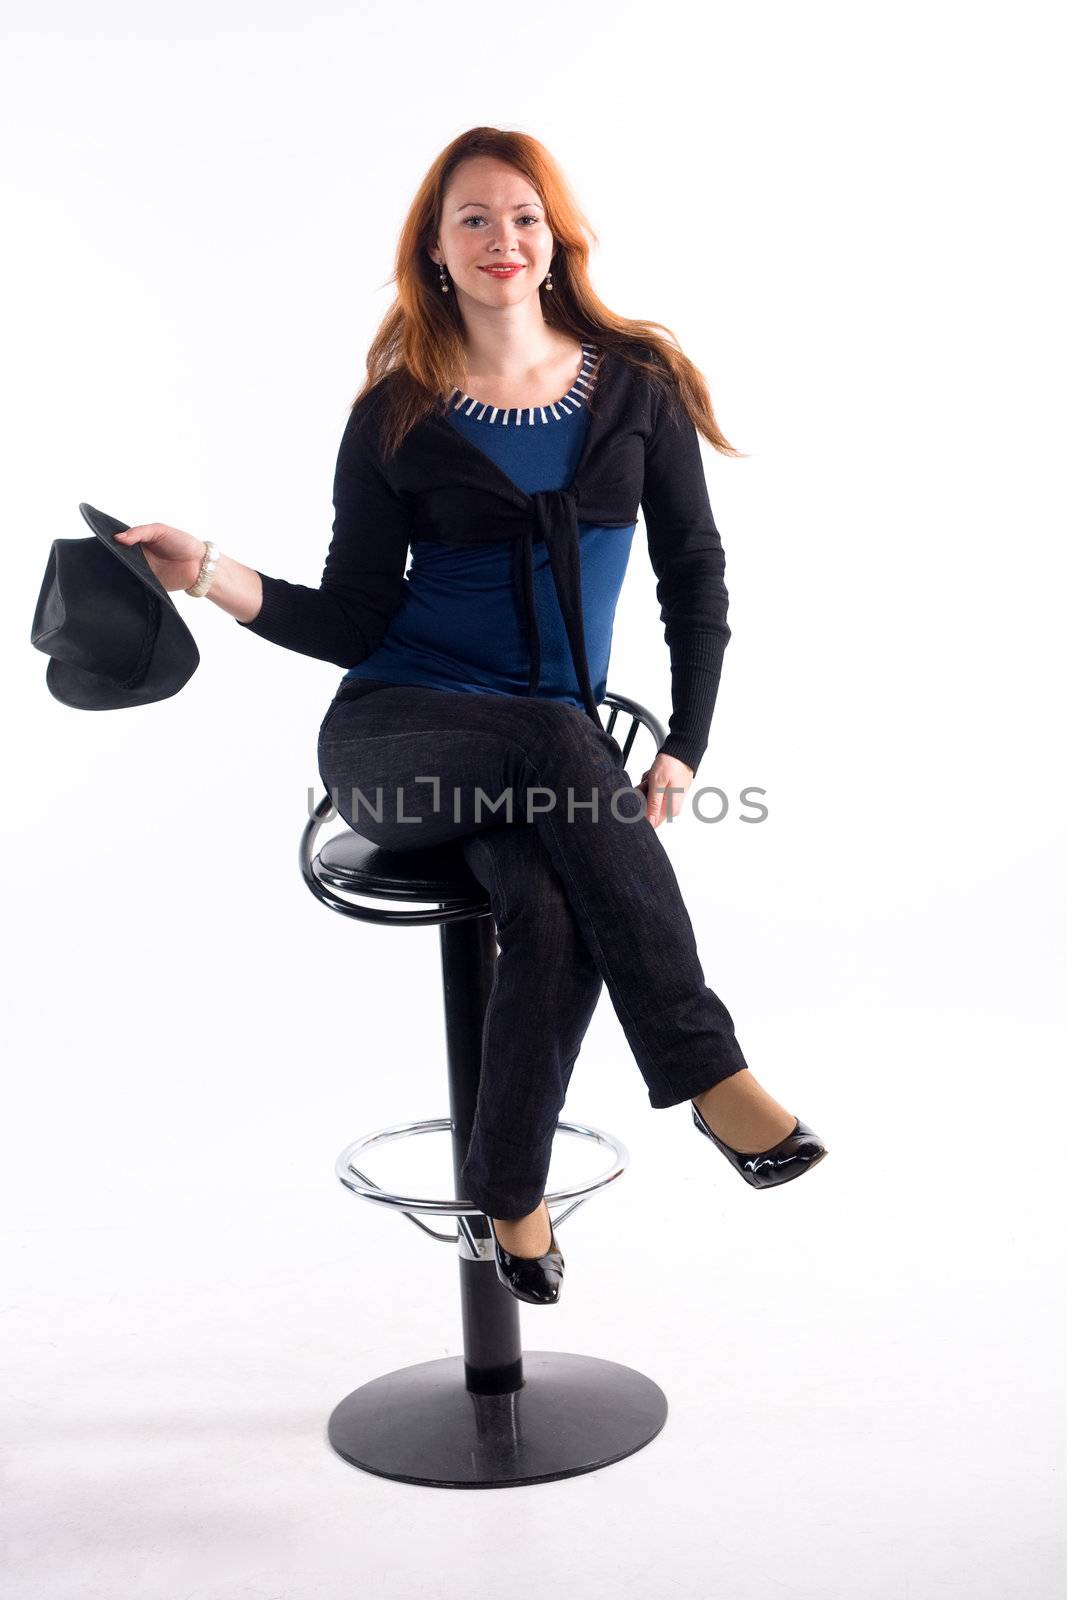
(640, 450)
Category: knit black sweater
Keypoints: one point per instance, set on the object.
(640, 450)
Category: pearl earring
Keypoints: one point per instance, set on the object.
(548, 280)
(444, 278)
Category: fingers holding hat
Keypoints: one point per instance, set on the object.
(173, 556)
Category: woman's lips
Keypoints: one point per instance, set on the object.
(501, 272)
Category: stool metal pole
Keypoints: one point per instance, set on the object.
(492, 1337)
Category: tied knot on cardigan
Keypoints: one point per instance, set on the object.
(556, 516)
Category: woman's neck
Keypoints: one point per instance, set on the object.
(519, 376)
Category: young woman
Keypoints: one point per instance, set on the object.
(509, 430)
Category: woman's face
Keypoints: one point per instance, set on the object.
(491, 215)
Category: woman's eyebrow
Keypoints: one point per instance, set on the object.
(483, 207)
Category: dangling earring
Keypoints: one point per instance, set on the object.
(444, 278)
(548, 280)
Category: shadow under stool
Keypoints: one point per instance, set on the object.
(497, 1415)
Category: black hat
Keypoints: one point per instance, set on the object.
(114, 634)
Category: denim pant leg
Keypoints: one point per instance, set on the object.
(545, 990)
(419, 756)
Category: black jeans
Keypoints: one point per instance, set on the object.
(581, 896)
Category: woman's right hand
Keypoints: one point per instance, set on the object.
(173, 556)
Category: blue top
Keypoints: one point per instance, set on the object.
(459, 625)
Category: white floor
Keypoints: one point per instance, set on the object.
(863, 1368)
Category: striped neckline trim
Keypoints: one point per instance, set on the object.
(580, 389)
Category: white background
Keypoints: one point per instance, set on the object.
(851, 219)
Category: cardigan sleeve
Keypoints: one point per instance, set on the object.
(687, 557)
(362, 585)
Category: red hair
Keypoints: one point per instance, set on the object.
(421, 336)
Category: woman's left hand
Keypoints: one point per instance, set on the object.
(665, 773)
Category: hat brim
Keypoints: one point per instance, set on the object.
(88, 691)
(131, 555)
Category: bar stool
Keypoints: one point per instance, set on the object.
(497, 1415)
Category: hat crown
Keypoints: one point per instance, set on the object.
(93, 613)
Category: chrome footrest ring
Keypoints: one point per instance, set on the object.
(363, 1186)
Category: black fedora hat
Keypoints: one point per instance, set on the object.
(113, 632)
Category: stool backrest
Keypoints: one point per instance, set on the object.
(640, 717)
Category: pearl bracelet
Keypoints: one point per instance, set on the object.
(209, 562)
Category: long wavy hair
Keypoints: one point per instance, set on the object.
(421, 338)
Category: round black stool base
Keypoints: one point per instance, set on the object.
(421, 1424)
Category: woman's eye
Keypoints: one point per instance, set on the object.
(482, 219)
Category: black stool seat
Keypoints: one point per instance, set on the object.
(439, 872)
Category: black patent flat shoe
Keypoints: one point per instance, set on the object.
(536, 1279)
(795, 1154)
